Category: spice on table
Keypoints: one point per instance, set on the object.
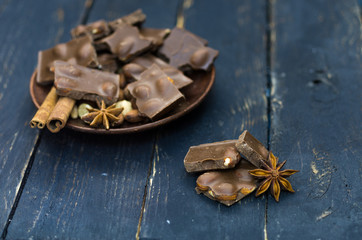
(274, 177)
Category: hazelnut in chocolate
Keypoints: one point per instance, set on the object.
(184, 49)
(79, 82)
(227, 186)
(155, 35)
(126, 42)
(134, 69)
(252, 149)
(155, 93)
(212, 156)
(96, 30)
(77, 51)
(136, 19)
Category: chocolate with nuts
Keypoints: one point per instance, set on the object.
(252, 149)
(78, 51)
(155, 93)
(126, 42)
(155, 35)
(184, 49)
(136, 19)
(138, 65)
(212, 156)
(79, 82)
(227, 186)
(96, 30)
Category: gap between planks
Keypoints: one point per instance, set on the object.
(270, 47)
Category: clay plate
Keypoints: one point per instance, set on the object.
(194, 94)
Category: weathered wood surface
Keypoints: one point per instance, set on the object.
(120, 187)
(316, 119)
(87, 186)
(26, 28)
(237, 101)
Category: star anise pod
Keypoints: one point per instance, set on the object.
(274, 177)
(103, 115)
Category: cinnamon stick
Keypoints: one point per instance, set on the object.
(60, 114)
(41, 116)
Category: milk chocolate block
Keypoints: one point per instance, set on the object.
(136, 19)
(96, 30)
(183, 50)
(212, 156)
(155, 35)
(79, 82)
(155, 93)
(126, 42)
(77, 51)
(227, 186)
(252, 149)
(108, 62)
(138, 65)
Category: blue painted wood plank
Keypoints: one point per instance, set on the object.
(26, 28)
(86, 186)
(237, 101)
(316, 122)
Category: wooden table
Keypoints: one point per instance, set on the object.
(289, 71)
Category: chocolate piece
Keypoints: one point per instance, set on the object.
(108, 62)
(138, 65)
(155, 35)
(183, 49)
(212, 156)
(252, 149)
(79, 82)
(155, 94)
(96, 30)
(227, 186)
(77, 51)
(126, 43)
(136, 18)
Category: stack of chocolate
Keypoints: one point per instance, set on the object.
(118, 63)
(226, 175)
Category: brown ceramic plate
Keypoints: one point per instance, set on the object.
(194, 94)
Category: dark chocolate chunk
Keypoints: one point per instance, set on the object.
(212, 156)
(79, 82)
(156, 36)
(77, 51)
(96, 30)
(227, 186)
(184, 50)
(155, 94)
(108, 62)
(126, 43)
(136, 19)
(252, 149)
(134, 69)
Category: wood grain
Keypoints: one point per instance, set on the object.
(237, 101)
(89, 186)
(316, 119)
(24, 32)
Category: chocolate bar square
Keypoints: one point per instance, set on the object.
(77, 51)
(212, 156)
(79, 82)
(155, 93)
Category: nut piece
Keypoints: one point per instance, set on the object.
(83, 109)
(126, 105)
(74, 113)
(133, 116)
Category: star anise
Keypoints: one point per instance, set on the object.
(274, 177)
(103, 115)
